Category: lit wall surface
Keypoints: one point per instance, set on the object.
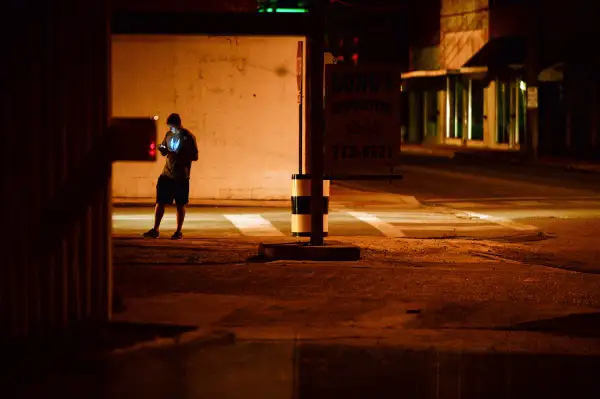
(238, 95)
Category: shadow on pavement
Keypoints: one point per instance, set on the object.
(586, 325)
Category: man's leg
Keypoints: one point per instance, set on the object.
(181, 200)
(159, 212)
(165, 193)
(180, 216)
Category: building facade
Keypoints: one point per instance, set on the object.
(474, 68)
(451, 102)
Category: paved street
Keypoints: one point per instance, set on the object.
(272, 222)
(433, 200)
(469, 286)
(435, 218)
(472, 284)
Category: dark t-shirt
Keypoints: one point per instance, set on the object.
(181, 152)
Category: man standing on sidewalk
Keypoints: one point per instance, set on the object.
(180, 149)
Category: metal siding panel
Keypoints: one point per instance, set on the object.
(57, 95)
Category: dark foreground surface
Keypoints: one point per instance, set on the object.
(497, 296)
(350, 369)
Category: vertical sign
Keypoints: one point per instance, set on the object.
(299, 79)
(362, 119)
(532, 97)
(300, 69)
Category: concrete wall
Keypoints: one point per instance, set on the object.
(464, 30)
(238, 95)
(425, 58)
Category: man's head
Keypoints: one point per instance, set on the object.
(174, 122)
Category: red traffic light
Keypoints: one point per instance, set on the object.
(152, 150)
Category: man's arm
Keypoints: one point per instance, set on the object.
(163, 147)
(193, 149)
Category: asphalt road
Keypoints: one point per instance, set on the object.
(515, 315)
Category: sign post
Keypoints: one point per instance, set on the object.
(363, 123)
(299, 78)
(315, 55)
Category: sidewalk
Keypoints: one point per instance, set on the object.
(343, 194)
(271, 203)
(486, 155)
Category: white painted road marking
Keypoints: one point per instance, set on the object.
(471, 227)
(502, 221)
(466, 204)
(422, 218)
(410, 200)
(386, 228)
(254, 225)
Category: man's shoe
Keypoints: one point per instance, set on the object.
(152, 233)
(177, 236)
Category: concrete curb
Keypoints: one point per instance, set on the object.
(459, 156)
(136, 202)
(330, 251)
(198, 337)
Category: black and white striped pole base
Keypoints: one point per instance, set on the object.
(301, 225)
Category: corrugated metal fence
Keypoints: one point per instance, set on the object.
(56, 260)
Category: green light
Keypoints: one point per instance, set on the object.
(285, 10)
(294, 10)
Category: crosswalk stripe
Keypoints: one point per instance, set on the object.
(502, 221)
(254, 225)
(425, 220)
(472, 227)
(386, 228)
(466, 204)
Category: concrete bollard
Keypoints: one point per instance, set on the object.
(301, 225)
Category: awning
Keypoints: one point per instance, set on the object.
(500, 52)
(553, 73)
(436, 79)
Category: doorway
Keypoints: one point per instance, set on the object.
(511, 112)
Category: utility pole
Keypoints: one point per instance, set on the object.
(532, 69)
(316, 125)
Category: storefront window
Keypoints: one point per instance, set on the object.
(477, 109)
(503, 112)
(457, 92)
(511, 109)
(430, 108)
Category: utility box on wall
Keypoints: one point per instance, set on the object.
(133, 139)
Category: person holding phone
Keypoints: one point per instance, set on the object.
(180, 149)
